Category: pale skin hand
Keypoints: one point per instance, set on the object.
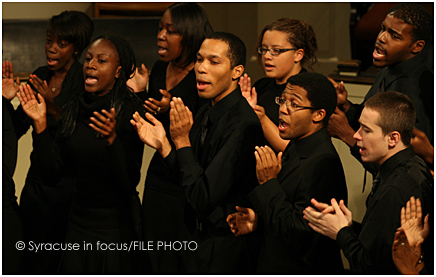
(342, 95)
(411, 222)
(243, 222)
(35, 109)
(338, 127)
(268, 165)
(260, 111)
(9, 87)
(329, 224)
(270, 130)
(247, 91)
(104, 123)
(406, 249)
(158, 107)
(181, 121)
(153, 134)
(139, 79)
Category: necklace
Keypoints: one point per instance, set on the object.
(53, 89)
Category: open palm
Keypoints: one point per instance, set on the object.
(153, 134)
(35, 109)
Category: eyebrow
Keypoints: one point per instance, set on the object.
(296, 95)
(363, 125)
(167, 24)
(210, 56)
(390, 30)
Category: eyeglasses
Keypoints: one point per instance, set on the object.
(273, 51)
(291, 105)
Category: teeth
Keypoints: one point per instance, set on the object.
(379, 53)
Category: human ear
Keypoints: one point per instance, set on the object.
(394, 138)
(318, 115)
(299, 55)
(117, 73)
(418, 46)
(237, 72)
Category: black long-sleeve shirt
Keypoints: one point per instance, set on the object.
(216, 180)
(105, 176)
(370, 250)
(311, 168)
(412, 77)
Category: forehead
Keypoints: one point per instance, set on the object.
(166, 17)
(275, 37)
(369, 117)
(397, 25)
(295, 91)
(214, 48)
(103, 46)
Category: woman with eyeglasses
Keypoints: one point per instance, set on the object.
(284, 47)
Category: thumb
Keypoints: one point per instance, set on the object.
(144, 69)
(426, 224)
(279, 159)
(165, 93)
(254, 94)
(40, 98)
(242, 209)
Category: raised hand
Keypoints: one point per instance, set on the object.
(342, 95)
(339, 127)
(157, 107)
(248, 92)
(406, 259)
(104, 123)
(9, 86)
(411, 223)
(181, 121)
(35, 109)
(139, 79)
(268, 165)
(242, 222)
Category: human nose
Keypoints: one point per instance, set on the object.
(201, 68)
(51, 48)
(267, 54)
(161, 35)
(382, 36)
(283, 108)
(357, 135)
(91, 64)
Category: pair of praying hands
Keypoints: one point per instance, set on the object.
(268, 166)
(34, 105)
(153, 134)
(406, 249)
(139, 81)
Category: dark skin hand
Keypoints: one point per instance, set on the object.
(104, 123)
(155, 107)
(43, 88)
